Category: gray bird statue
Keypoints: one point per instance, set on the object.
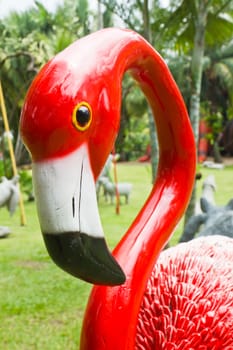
(9, 197)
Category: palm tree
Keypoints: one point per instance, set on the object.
(193, 25)
(219, 77)
(28, 40)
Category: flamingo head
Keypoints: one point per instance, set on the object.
(69, 123)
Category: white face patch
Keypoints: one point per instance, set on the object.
(66, 196)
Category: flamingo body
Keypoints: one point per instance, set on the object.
(188, 302)
(69, 123)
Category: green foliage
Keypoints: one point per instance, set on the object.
(5, 161)
(134, 132)
(217, 80)
(26, 183)
(215, 120)
(135, 144)
(130, 13)
(30, 38)
(5, 168)
(180, 18)
(41, 306)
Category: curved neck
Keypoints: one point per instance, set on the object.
(111, 316)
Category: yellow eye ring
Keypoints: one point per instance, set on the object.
(82, 116)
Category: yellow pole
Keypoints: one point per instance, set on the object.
(12, 155)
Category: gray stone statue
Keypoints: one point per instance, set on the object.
(124, 189)
(208, 192)
(9, 197)
(214, 220)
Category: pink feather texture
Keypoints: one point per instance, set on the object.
(188, 302)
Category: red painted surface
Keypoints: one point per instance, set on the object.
(110, 321)
(91, 70)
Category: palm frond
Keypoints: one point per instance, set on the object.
(218, 30)
(223, 70)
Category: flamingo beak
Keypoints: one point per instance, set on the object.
(69, 219)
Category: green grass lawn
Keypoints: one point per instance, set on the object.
(40, 306)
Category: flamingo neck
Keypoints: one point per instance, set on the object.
(110, 321)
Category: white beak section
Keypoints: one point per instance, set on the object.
(66, 196)
(69, 218)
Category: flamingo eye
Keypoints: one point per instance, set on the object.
(82, 116)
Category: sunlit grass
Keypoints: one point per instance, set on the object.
(40, 306)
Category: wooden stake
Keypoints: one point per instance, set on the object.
(12, 155)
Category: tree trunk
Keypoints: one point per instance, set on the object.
(196, 65)
(152, 127)
(196, 77)
(154, 145)
(99, 16)
(216, 152)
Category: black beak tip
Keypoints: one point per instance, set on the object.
(84, 257)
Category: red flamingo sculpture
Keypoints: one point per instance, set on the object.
(69, 123)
